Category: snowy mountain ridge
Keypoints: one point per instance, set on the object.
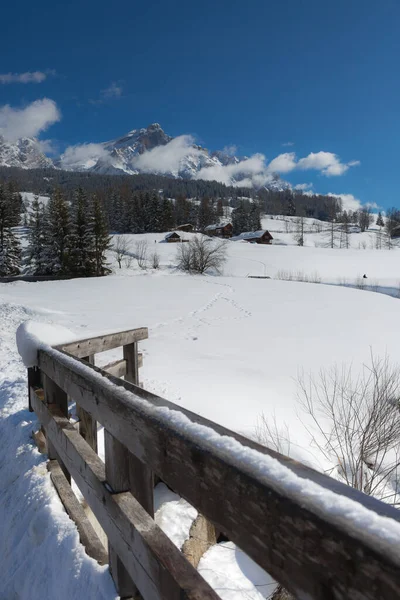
(145, 150)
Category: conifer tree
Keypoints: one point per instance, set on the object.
(167, 217)
(10, 211)
(36, 238)
(57, 228)
(80, 239)
(102, 240)
(379, 221)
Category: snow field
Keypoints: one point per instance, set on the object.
(229, 348)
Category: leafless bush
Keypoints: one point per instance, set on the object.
(269, 433)
(121, 246)
(357, 424)
(360, 283)
(353, 422)
(315, 277)
(201, 254)
(301, 276)
(155, 260)
(141, 249)
(284, 275)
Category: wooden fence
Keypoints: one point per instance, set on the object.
(313, 555)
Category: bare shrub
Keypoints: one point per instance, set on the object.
(284, 275)
(359, 283)
(268, 433)
(357, 424)
(301, 276)
(155, 260)
(121, 246)
(353, 422)
(141, 250)
(201, 254)
(315, 277)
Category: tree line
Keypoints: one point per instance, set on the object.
(64, 238)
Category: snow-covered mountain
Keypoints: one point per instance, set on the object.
(146, 150)
(25, 153)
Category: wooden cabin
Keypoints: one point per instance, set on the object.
(188, 227)
(223, 230)
(173, 237)
(255, 237)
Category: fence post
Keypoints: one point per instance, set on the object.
(125, 472)
(33, 381)
(53, 394)
(87, 425)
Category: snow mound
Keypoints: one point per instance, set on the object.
(33, 335)
(173, 514)
(234, 575)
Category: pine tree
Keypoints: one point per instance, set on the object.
(379, 221)
(10, 253)
(102, 240)
(10, 212)
(254, 221)
(167, 217)
(80, 239)
(239, 220)
(290, 207)
(57, 228)
(36, 238)
(206, 215)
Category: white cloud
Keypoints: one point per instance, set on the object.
(166, 159)
(303, 186)
(288, 144)
(327, 163)
(28, 77)
(48, 146)
(284, 163)
(83, 154)
(113, 91)
(230, 150)
(16, 123)
(350, 202)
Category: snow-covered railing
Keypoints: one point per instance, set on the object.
(320, 539)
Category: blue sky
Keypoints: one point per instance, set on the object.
(256, 74)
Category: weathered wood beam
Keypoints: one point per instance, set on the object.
(87, 424)
(102, 343)
(117, 368)
(87, 535)
(309, 552)
(157, 567)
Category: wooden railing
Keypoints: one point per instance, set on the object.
(312, 553)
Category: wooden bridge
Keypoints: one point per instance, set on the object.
(312, 553)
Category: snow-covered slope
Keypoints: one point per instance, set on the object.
(25, 153)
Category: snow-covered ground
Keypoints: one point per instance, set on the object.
(227, 347)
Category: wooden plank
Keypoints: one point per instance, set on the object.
(87, 425)
(301, 548)
(87, 535)
(141, 478)
(158, 568)
(55, 395)
(105, 342)
(116, 368)
(132, 366)
(117, 475)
